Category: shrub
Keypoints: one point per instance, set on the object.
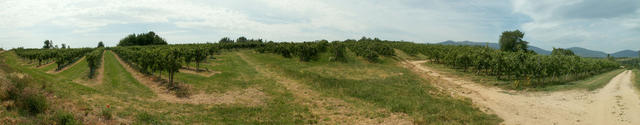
(65, 118)
(147, 118)
(34, 103)
(338, 52)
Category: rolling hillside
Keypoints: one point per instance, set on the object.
(626, 53)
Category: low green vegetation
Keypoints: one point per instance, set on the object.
(636, 78)
(94, 59)
(383, 84)
(590, 83)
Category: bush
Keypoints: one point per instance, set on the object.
(65, 118)
(338, 52)
(35, 104)
(147, 118)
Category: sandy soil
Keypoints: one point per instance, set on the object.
(616, 103)
(53, 71)
(336, 110)
(249, 96)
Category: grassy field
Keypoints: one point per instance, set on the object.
(373, 91)
(384, 85)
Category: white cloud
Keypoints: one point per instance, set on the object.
(81, 22)
(593, 24)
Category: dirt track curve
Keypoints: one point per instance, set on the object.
(617, 103)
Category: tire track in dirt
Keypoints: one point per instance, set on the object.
(562, 107)
(248, 97)
(342, 112)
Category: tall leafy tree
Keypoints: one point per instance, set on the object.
(143, 39)
(609, 57)
(225, 40)
(511, 41)
(100, 44)
(48, 44)
(64, 46)
(560, 51)
(241, 39)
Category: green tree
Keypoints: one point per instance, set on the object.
(100, 44)
(48, 44)
(143, 39)
(225, 40)
(64, 46)
(511, 41)
(560, 51)
(609, 57)
(241, 39)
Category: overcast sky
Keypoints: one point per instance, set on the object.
(609, 26)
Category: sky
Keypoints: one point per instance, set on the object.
(608, 26)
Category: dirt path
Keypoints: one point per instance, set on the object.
(100, 76)
(248, 97)
(613, 104)
(53, 71)
(337, 110)
(617, 103)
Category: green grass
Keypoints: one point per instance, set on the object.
(636, 78)
(118, 82)
(386, 85)
(235, 74)
(591, 83)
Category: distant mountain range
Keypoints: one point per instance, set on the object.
(577, 50)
